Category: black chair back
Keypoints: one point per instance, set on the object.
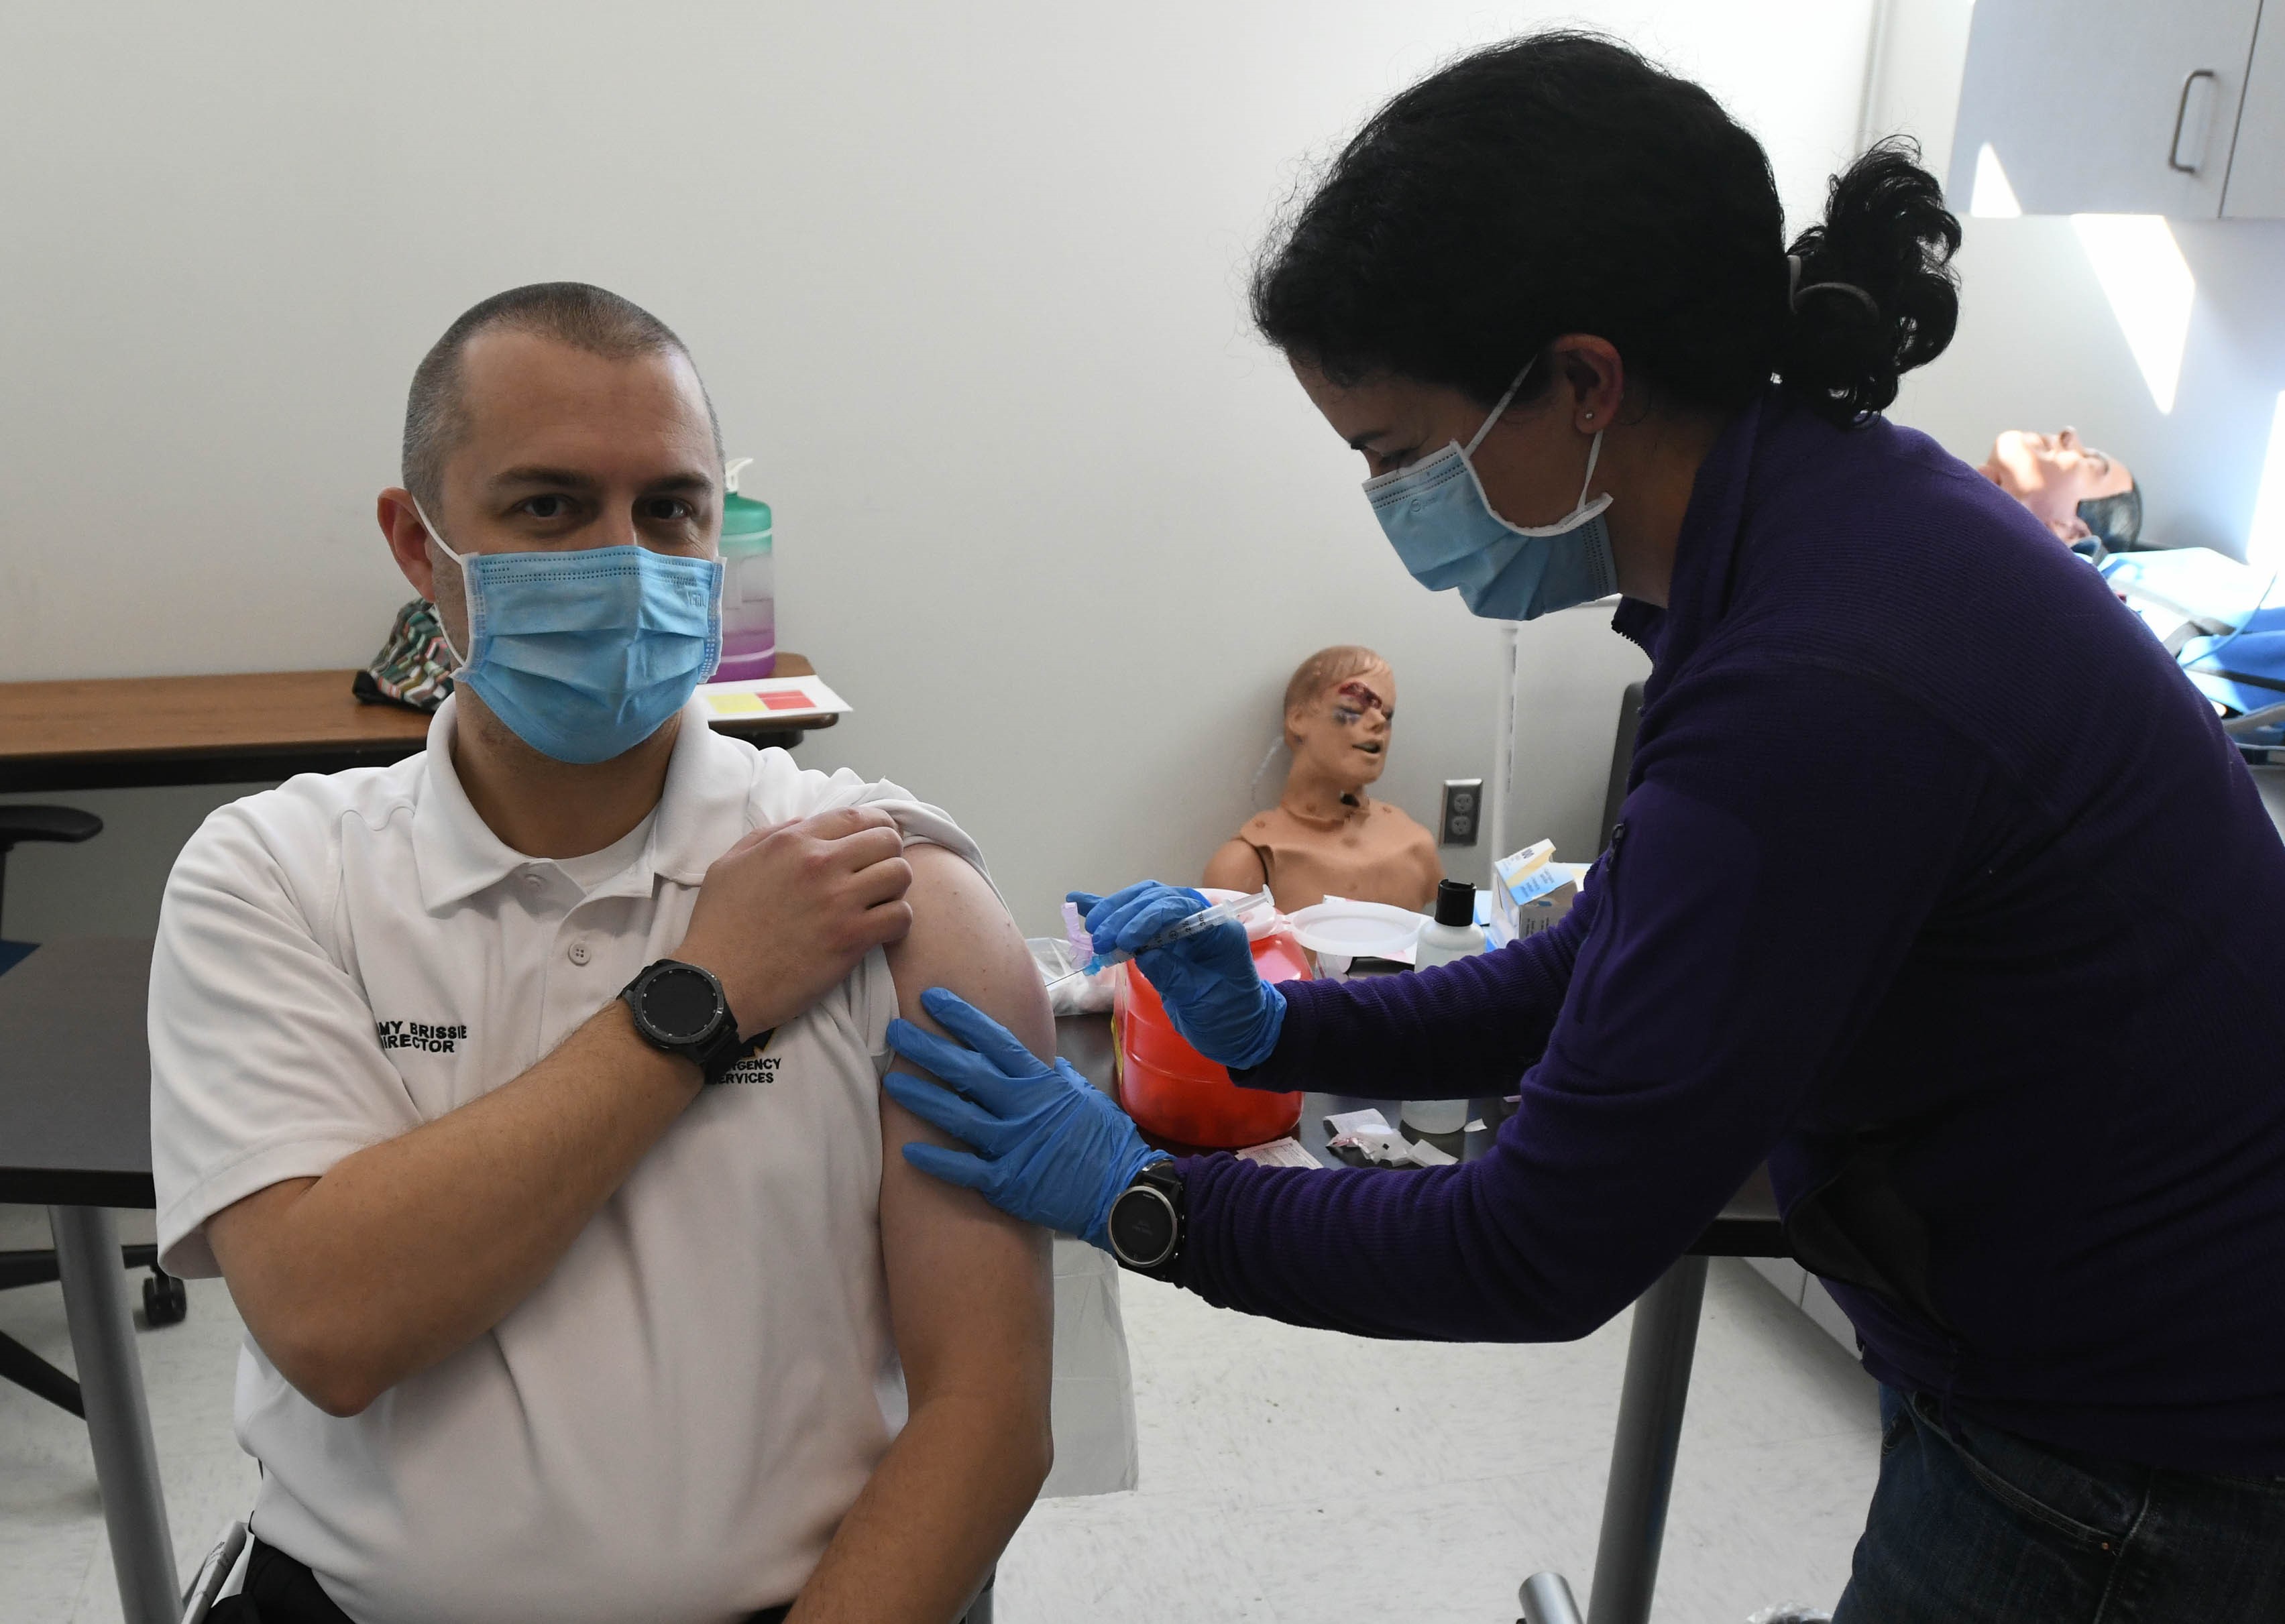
(17, 824)
(1622, 758)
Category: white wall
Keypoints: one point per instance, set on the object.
(966, 280)
(1915, 83)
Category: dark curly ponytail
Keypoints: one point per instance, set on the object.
(1559, 182)
(1887, 235)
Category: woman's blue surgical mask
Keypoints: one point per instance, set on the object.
(1443, 528)
(585, 655)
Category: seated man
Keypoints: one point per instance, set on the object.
(2079, 493)
(562, 1303)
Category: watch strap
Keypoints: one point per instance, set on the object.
(725, 1050)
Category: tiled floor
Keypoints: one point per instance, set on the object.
(1287, 1475)
(1294, 1475)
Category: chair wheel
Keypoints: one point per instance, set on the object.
(165, 1300)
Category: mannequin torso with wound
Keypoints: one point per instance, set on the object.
(1326, 836)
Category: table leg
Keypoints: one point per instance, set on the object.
(1659, 1352)
(118, 1420)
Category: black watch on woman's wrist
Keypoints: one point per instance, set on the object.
(679, 1008)
(1149, 1221)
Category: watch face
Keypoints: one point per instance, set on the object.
(1143, 1225)
(679, 1004)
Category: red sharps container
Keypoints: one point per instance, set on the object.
(1174, 1092)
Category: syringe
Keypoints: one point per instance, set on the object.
(1206, 919)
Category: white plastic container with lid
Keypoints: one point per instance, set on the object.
(1452, 934)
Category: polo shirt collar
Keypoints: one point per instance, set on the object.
(705, 807)
(702, 811)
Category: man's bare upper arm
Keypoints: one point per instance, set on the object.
(969, 1289)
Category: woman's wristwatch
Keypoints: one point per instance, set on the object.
(1149, 1221)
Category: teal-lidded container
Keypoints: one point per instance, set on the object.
(749, 610)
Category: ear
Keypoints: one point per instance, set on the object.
(1592, 377)
(408, 539)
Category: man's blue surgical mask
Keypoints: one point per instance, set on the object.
(1443, 528)
(585, 655)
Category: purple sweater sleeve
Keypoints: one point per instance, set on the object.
(1455, 1031)
(1769, 875)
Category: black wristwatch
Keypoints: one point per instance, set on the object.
(1149, 1221)
(679, 1008)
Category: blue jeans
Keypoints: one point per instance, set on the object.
(1971, 1525)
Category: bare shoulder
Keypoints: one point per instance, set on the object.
(964, 938)
(969, 1291)
(1402, 826)
(951, 901)
(1235, 865)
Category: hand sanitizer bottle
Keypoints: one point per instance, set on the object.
(1452, 934)
(750, 617)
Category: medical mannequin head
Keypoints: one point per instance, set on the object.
(550, 420)
(2052, 474)
(1339, 708)
(1326, 836)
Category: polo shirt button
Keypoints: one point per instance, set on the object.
(532, 881)
(577, 952)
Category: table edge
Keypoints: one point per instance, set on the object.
(51, 1187)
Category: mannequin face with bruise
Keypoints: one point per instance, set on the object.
(1327, 838)
(1341, 736)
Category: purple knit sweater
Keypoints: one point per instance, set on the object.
(1925, 833)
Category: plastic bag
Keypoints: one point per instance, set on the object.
(1070, 993)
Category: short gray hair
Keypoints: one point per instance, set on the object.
(575, 313)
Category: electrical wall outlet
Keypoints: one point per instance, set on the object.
(1463, 812)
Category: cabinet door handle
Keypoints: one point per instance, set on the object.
(2182, 112)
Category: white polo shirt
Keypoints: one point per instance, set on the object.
(671, 1426)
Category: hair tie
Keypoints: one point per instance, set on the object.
(1795, 290)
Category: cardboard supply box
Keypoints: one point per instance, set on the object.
(1532, 891)
(1543, 912)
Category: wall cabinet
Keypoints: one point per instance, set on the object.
(2257, 169)
(2125, 106)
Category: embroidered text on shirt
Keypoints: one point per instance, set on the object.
(754, 1069)
(418, 1035)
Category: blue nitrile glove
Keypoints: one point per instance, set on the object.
(1051, 1148)
(1212, 991)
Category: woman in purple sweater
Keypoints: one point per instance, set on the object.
(1976, 936)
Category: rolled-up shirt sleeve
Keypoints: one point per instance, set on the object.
(1772, 871)
(264, 1063)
